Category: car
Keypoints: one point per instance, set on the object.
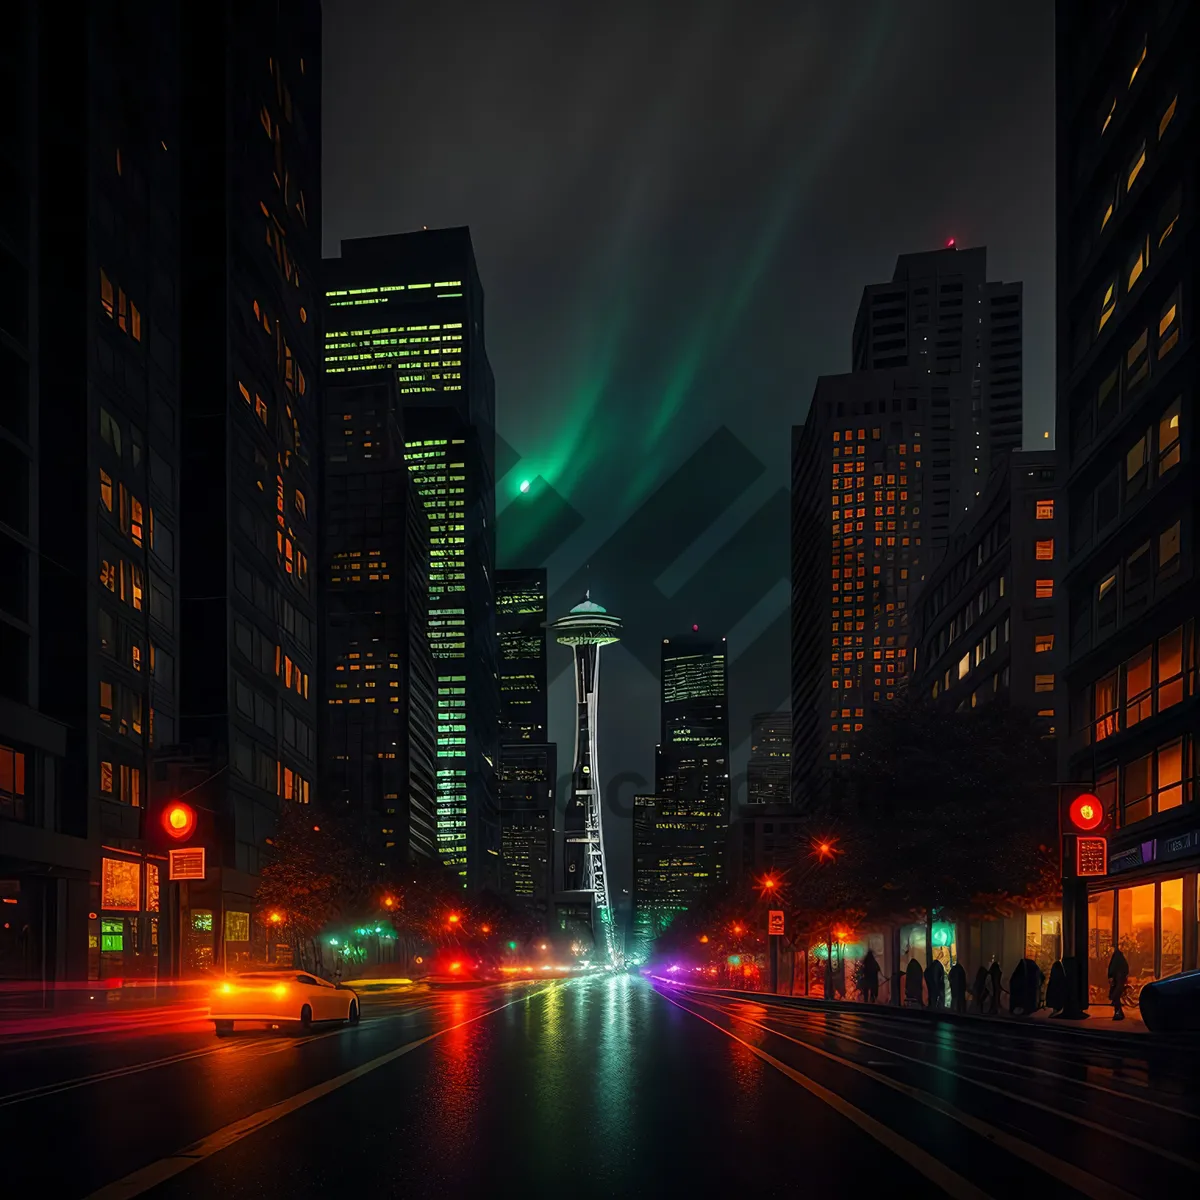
(280, 997)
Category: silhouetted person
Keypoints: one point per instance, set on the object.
(1056, 989)
(1034, 978)
(870, 978)
(935, 981)
(1118, 981)
(980, 988)
(912, 983)
(994, 975)
(958, 988)
(1017, 993)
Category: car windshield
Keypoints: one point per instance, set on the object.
(263, 977)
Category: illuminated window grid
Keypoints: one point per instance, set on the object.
(867, 509)
(427, 358)
(343, 297)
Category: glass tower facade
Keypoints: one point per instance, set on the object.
(412, 305)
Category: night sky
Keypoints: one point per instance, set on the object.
(675, 208)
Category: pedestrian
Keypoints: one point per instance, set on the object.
(1056, 989)
(935, 981)
(912, 984)
(870, 977)
(958, 988)
(1035, 977)
(994, 975)
(1118, 981)
(979, 990)
(1017, 993)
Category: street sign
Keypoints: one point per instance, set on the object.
(187, 864)
(1091, 856)
(775, 923)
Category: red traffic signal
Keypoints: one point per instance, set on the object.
(1086, 812)
(1083, 809)
(178, 821)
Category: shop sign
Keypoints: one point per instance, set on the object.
(1178, 846)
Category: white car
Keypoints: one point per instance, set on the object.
(280, 997)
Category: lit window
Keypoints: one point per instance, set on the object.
(1108, 304)
(1044, 550)
(964, 665)
(1136, 460)
(1043, 683)
(1167, 118)
(1137, 265)
(1108, 204)
(106, 777)
(106, 293)
(1104, 707)
(260, 407)
(1170, 669)
(301, 504)
(122, 313)
(1139, 690)
(1168, 438)
(106, 489)
(120, 888)
(1044, 512)
(135, 322)
(135, 520)
(1106, 116)
(1168, 326)
(1135, 167)
(1043, 643)
(1137, 66)
(1169, 217)
(106, 701)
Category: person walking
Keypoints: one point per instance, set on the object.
(994, 975)
(1118, 981)
(870, 977)
(935, 981)
(980, 989)
(1056, 989)
(1018, 985)
(912, 984)
(958, 988)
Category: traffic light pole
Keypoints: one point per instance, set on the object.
(773, 938)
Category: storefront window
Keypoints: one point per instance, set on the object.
(1043, 939)
(1100, 945)
(1135, 922)
(121, 885)
(1170, 916)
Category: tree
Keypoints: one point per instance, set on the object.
(961, 806)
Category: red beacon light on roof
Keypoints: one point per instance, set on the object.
(950, 244)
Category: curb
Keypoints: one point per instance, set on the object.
(1081, 1030)
(36, 1032)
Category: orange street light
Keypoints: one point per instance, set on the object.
(389, 902)
(316, 829)
(454, 918)
(275, 918)
(704, 937)
(486, 928)
(737, 929)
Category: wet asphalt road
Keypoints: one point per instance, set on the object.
(601, 1087)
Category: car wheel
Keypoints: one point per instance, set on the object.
(223, 1028)
(352, 1015)
(306, 1018)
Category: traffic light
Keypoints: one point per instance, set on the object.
(179, 821)
(1084, 821)
(176, 824)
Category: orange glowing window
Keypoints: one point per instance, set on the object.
(122, 315)
(260, 407)
(1043, 589)
(120, 885)
(106, 701)
(135, 322)
(106, 777)
(137, 587)
(106, 489)
(1045, 510)
(106, 287)
(135, 520)
(1044, 550)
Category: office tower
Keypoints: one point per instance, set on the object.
(528, 764)
(986, 622)
(586, 629)
(89, 507)
(941, 316)
(248, 360)
(378, 702)
(1128, 138)
(521, 645)
(527, 799)
(679, 845)
(767, 839)
(860, 473)
(769, 770)
(413, 304)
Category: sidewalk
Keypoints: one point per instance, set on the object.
(1099, 1023)
(28, 1013)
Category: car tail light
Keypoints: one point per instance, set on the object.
(279, 989)
(224, 990)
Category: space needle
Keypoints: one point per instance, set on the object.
(586, 628)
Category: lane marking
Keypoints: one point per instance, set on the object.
(934, 1170)
(142, 1180)
(1072, 1176)
(958, 1050)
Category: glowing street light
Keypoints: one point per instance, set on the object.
(704, 937)
(486, 928)
(737, 929)
(275, 918)
(454, 918)
(389, 902)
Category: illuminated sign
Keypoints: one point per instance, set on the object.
(1091, 856)
(187, 864)
(1086, 812)
(120, 885)
(775, 923)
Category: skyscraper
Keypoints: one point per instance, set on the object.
(587, 628)
(89, 332)
(413, 304)
(769, 770)
(378, 754)
(249, 360)
(942, 316)
(860, 469)
(889, 459)
(693, 750)
(528, 764)
(1128, 139)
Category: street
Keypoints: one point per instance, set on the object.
(598, 1087)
